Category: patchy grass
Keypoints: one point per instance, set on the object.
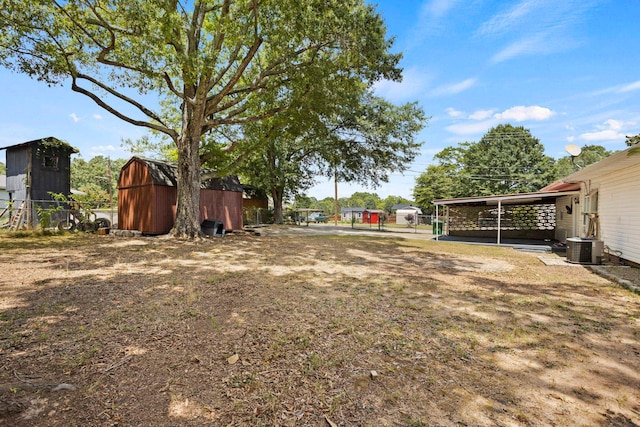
(145, 330)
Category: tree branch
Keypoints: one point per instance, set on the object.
(160, 128)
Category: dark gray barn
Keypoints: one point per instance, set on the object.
(35, 169)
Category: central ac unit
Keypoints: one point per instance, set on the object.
(582, 250)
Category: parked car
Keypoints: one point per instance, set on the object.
(321, 218)
(318, 217)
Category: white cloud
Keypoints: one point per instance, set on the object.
(603, 135)
(471, 128)
(610, 130)
(528, 45)
(481, 114)
(413, 82)
(612, 124)
(536, 27)
(571, 138)
(505, 21)
(431, 20)
(436, 9)
(75, 118)
(97, 116)
(452, 112)
(455, 88)
(522, 113)
(630, 87)
(103, 148)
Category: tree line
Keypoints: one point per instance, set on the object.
(507, 160)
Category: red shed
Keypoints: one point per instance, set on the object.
(371, 216)
(147, 197)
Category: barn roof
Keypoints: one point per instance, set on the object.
(166, 173)
(50, 140)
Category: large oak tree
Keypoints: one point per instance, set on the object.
(218, 58)
(361, 141)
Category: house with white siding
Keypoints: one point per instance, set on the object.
(608, 205)
(4, 196)
(352, 214)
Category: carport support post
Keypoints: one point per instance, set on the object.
(437, 234)
(499, 218)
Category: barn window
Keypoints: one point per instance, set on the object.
(50, 162)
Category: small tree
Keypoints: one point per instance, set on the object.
(410, 218)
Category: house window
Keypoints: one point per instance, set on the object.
(50, 162)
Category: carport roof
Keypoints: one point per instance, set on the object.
(520, 198)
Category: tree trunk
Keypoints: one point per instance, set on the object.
(187, 223)
(277, 195)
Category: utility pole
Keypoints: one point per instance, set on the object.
(110, 187)
(335, 201)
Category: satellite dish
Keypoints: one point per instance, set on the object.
(573, 150)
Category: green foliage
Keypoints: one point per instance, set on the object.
(358, 139)
(45, 213)
(3, 169)
(154, 149)
(437, 182)
(97, 177)
(506, 160)
(590, 154)
(390, 201)
(363, 199)
(410, 218)
(633, 141)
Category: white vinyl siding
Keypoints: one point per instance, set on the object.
(564, 220)
(619, 211)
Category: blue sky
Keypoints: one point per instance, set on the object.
(568, 70)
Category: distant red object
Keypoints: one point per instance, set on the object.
(371, 216)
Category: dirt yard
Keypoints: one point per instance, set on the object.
(290, 330)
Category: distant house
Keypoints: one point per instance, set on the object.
(147, 197)
(34, 170)
(352, 214)
(404, 211)
(607, 205)
(4, 195)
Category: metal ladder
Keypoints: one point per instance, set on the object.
(16, 219)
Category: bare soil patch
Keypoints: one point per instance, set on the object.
(290, 330)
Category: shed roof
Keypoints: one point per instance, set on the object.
(404, 206)
(345, 210)
(166, 173)
(414, 209)
(49, 139)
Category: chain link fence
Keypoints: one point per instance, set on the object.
(57, 214)
(257, 216)
(390, 222)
